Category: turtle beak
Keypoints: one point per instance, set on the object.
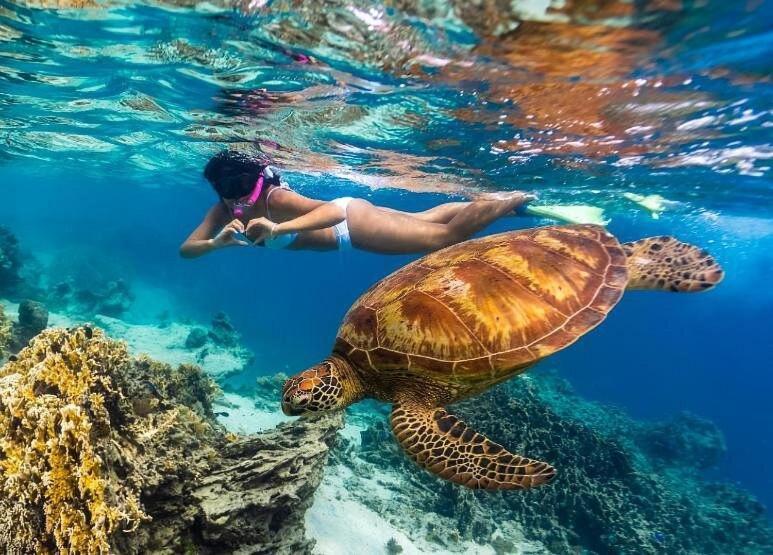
(295, 403)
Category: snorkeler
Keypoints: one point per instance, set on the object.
(256, 209)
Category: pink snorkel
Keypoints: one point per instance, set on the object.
(239, 208)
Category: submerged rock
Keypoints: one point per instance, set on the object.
(113, 299)
(196, 338)
(33, 318)
(222, 332)
(110, 298)
(102, 452)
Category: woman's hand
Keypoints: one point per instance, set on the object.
(229, 235)
(259, 229)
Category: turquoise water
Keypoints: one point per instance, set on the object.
(107, 116)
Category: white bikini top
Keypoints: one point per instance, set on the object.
(280, 241)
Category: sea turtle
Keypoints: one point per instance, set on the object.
(459, 320)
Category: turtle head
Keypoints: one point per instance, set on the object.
(332, 384)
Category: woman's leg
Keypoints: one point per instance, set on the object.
(384, 231)
(444, 213)
(441, 214)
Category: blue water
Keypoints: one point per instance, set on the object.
(107, 117)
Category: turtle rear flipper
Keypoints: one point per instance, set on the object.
(667, 264)
(446, 446)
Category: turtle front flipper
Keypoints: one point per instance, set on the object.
(446, 446)
(668, 264)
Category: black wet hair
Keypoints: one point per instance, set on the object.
(233, 174)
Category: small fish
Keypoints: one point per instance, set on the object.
(659, 537)
(222, 413)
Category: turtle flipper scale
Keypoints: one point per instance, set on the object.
(668, 264)
(446, 446)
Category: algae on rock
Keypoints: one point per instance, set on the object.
(103, 453)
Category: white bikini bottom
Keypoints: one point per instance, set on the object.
(341, 230)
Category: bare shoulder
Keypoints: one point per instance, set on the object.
(290, 201)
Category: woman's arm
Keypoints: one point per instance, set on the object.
(206, 238)
(327, 214)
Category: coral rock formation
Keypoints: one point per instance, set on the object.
(100, 452)
(256, 499)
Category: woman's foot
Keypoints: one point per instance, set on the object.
(517, 199)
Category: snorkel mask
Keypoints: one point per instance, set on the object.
(241, 205)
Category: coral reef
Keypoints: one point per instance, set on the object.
(687, 440)
(101, 452)
(621, 487)
(55, 407)
(10, 260)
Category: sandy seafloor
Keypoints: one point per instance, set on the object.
(338, 521)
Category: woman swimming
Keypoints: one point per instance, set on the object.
(255, 208)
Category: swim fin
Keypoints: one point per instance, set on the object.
(655, 204)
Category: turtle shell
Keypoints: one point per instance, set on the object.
(481, 310)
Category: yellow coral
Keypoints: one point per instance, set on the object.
(54, 418)
(84, 429)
